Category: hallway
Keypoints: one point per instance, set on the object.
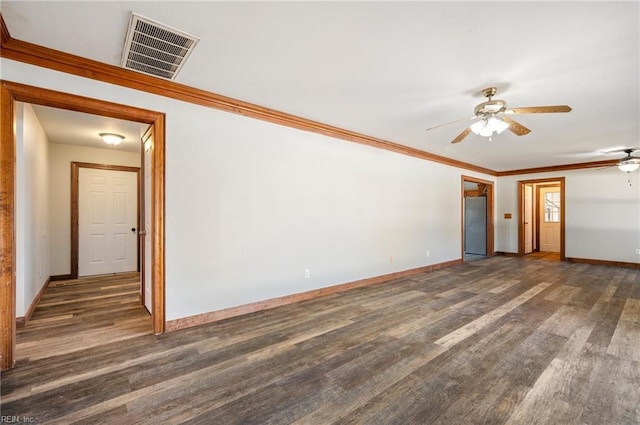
(74, 315)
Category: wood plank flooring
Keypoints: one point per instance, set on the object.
(503, 340)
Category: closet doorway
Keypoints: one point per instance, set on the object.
(477, 218)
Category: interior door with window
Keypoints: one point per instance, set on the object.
(550, 219)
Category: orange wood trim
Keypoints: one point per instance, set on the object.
(4, 31)
(555, 168)
(507, 254)
(60, 61)
(75, 245)
(603, 262)
(141, 202)
(75, 205)
(59, 277)
(521, 218)
(11, 92)
(563, 221)
(214, 316)
(560, 182)
(57, 99)
(538, 217)
(158, 223)
(22, 321)
(490, 211)
(7, 232)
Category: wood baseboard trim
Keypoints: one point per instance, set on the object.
(214, 316)
(506, 254)
(21, 322)
(603, 262)
(58, 277)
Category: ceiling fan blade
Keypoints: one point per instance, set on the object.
(516, 128)
(539, 109)
(451, 122)
(462, 135)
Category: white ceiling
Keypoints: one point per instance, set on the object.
(77, 128)
(392, 69)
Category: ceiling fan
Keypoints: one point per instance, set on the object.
(492, 117)
(629, 163)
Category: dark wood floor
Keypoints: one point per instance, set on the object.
(502, 340)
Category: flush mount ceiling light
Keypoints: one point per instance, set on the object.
(112, 138)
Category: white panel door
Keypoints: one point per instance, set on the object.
(550, 219)
(107, 221)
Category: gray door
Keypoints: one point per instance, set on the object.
(475, 225)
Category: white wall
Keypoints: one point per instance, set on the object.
(250, 205)
(32, 208)
(602, 215)
(60, 158)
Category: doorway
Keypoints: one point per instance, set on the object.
(541, 226)
(477, 218)
(15, 92)
(105, 219)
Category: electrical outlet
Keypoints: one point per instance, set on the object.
(307, 273)
(637, 251)
(391, 258)
(428, 253)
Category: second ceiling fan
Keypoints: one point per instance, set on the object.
(492, 117)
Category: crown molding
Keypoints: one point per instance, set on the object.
(60, 61)
(555, 168)
(4, 31)
(45, 57)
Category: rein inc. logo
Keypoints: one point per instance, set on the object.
(16, 419)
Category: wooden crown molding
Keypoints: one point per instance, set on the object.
(60, 61)
(4, 31)
(554, 168)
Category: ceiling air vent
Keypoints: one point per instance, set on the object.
(156, 49)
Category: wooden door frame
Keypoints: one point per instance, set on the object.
(490, 232)
(537, 217)
(10, 93)
(534, 225)
(75, 207)
(560, 182)
(142, 243)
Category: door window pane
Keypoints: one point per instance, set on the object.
(552, 207)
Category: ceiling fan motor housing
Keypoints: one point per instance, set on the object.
(491, 107)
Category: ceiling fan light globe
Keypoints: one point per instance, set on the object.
(497, 125)
(478, 126)
(486, 132)
(628, 166)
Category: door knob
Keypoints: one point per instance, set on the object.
(133, 229)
